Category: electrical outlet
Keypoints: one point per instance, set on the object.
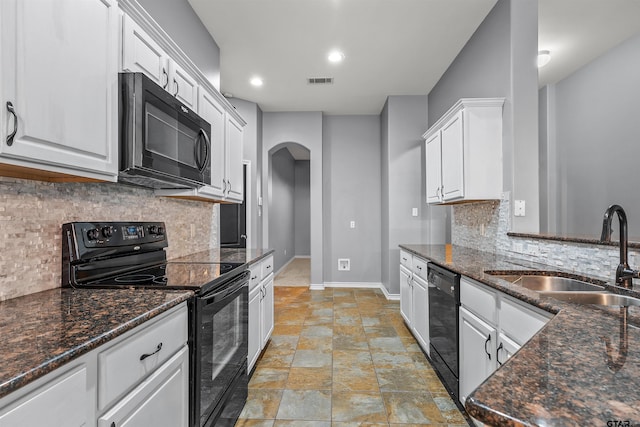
(518, 208)
(193, 231)
(285, 252)
(344, 264)
(518, 247)
(352, 224)
(414, 211)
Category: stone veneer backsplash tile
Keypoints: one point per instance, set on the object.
(32, 212)
(484, 226)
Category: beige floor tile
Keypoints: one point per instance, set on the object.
(358, 406)
(310, 378)
(344, 358)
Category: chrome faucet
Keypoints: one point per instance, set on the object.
(624, 274)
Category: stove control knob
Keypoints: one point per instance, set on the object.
(160, 231)
(93, 234)
(157, 230)
(107, 231)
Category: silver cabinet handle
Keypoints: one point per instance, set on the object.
(15, 123)
(166, 78)
(144, 356)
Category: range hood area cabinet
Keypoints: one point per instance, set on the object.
(58, 90)
(464, 153)
(145, 49)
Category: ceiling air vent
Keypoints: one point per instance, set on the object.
(320, 80)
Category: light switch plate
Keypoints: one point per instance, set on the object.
(414, 211)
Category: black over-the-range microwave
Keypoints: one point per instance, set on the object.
(163, 143)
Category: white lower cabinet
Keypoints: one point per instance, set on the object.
(123, 383)
(477, 361)
(62, 401)
(261, 302)
(160, 400)
(414, 297)
(493, 326)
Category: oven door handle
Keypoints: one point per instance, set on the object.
(202, 165)
(226, 290)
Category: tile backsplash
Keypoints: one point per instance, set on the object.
(484, 226)
(32, 212)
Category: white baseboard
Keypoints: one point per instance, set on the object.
(364, 285)
(303, 256)
(317, 286)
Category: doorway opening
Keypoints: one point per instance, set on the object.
(290, 215)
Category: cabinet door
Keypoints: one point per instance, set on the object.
(255, 319)
(210, 110)
(140, 53)
(434, 168)
(162, 400)
(420, 312)
(477, 355)
(453, 159)
(405, 295)
(506, 348)
(61, 402)
(60, 64)
(183, 86)
(267, 309)
(235, 178)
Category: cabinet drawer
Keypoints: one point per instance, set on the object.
(478, 299)
(123, 364)
(420, 267)
(62, 401)
(267, 266)
(405, 259)
(256, 274)
(519, 322)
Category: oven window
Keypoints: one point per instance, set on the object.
(223, 337)
(168, 137)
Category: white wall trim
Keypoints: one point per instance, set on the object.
(303, 256)
(316, 287)
(364, 285)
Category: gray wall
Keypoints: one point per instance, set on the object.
(597, 142)
(281, 229)
(304, 128)
(178, 19)
(403, 121)
(252, 152)
(302, 208)
(352, 179)
(499, 61)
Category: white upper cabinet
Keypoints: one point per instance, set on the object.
(464, 152)
(211, 110)
(59, 87)
(233, 169)
(140, 53)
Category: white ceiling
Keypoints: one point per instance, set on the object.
(391, 47)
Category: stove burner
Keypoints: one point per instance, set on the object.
(162, 280)
(135, 278)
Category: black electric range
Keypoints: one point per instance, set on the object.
(132, 254)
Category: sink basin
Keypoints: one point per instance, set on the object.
(596, 298)
(549, 283)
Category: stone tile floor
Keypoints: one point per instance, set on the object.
(342, 358)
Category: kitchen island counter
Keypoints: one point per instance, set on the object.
(43, 331)
(582, 368)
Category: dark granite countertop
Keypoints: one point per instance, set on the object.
(582, 368)
(216, 255)
(43, 331)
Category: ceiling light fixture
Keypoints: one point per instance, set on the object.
(544, 56)
(256, 81)
(335, 56)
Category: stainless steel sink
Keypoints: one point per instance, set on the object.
(549, 283)
(595, 298)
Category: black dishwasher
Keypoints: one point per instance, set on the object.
(444, 302)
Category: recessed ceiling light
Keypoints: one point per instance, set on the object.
(256, 81)
(335, 56)
(544, 56)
